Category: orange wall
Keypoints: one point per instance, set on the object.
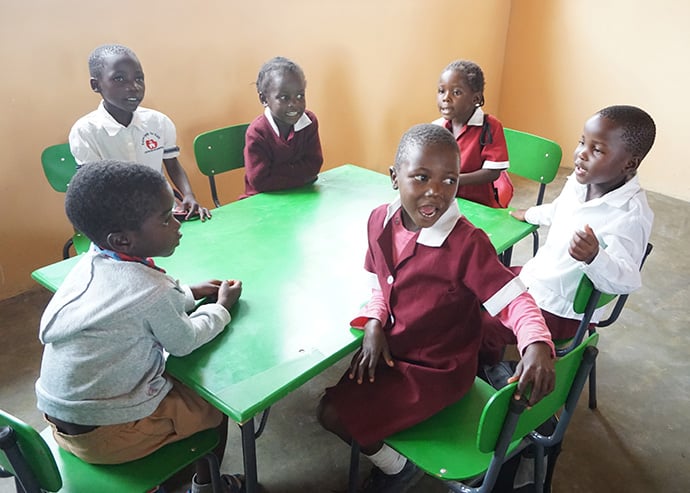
(567, 59)
(371, 67)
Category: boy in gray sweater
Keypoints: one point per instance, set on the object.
(103, 386)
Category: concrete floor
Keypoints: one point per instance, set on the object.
(638, 440)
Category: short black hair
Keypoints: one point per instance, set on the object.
(425, 134)
(98, 56)
(639, 130)
(277, 64)
(109, 196)
(473, 74)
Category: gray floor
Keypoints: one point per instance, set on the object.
(638, 440)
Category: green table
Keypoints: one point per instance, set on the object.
(300, 256)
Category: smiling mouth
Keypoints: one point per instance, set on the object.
(428, 211)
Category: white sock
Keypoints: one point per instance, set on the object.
(388, 460)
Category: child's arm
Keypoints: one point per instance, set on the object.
(374, 346)
(374, 343)
(611, 259)
(478, 177)
(536, 367)
(179, 178)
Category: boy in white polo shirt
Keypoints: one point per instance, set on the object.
(120, 129)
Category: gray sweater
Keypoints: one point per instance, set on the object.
(105, 332)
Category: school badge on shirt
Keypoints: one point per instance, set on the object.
(151, 142)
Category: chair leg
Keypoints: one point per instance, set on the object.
(65, 249)
(535, 242)
(506, 256)
(214, 471)
(593, 387)
(354, 468)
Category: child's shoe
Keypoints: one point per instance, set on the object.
(231, 483)
(378, 482)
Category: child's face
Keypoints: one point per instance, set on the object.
(121, 84)
(427, 182)
(160, 234)
(456, 100)
(285, 97)
(602, 159)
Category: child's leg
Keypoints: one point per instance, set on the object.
(381, 455)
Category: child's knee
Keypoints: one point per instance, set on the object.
(325, 414)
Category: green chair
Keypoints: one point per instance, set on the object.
(38, 464)
(587, 300)
(59, 166)
(218, 151)
(466, 443)
(536, 159)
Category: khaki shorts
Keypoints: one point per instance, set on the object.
(180, 414)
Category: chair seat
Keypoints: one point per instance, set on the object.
(132, 477)
(442, 439)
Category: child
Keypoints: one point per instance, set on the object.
(432, 272)
(119, 129)
(483, 150)
(599, 225)
(103, 386)
(282, 148)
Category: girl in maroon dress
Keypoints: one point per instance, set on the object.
(431, 272)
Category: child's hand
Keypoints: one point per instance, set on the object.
(207, 289)
(229, 292)
(373, 347)
(584, 246)
(518, 214)
(535, 369)
(193, 207)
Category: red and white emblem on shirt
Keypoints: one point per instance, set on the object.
(151, 143)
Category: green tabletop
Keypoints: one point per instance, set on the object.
(300, 256)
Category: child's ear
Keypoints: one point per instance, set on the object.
(394, 177)
(632, 165)
(94, 84)
(119, 241)
(262, 99)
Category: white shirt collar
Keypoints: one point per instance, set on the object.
(477, 118)
(436, 234)
(304, 121)
(112, 126)
(615, 198)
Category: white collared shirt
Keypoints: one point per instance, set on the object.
(148, 139)
(622, 222)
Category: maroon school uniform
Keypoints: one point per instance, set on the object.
(272, 163)
(434, 295)
(473, 156)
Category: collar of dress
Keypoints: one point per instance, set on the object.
(436, 234)
(304, 121)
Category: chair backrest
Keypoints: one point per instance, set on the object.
(58, 165)
(495, 411)
(220, 150)
(586, 292)
(533, 157)
(22, 446)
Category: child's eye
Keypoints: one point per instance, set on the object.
(457, 92)
(139, 79)
(421, 177)
(118, 78)
(440, 90)
(597, 150)
(449, 181)
(300, 96)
